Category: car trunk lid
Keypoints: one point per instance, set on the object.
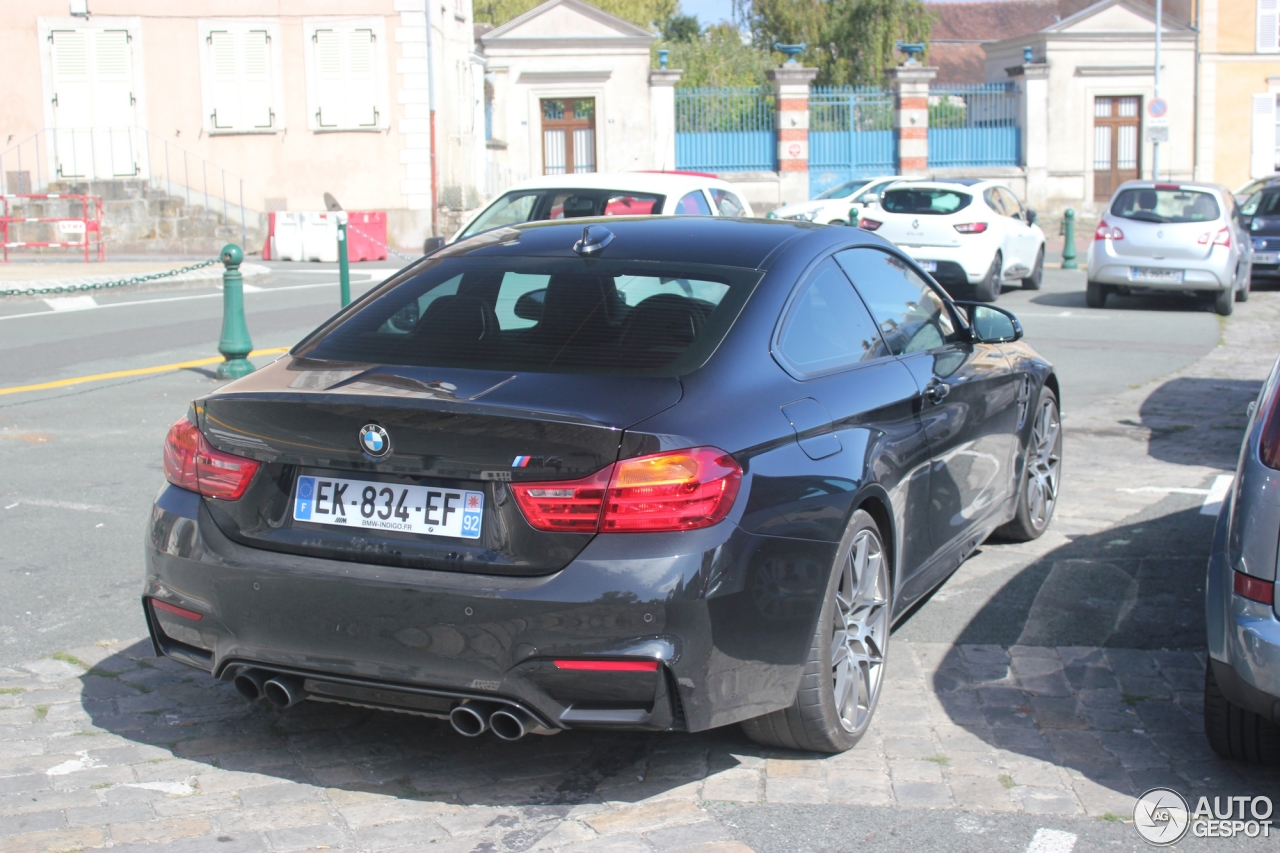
(916, 230)
(1166, 240)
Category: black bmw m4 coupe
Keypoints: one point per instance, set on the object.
(652, 473)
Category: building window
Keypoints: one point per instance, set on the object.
(239, 66)
(1115, 143)
(346, 81)
(1268, 26)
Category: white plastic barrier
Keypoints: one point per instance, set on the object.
(304, 237)
(286, 236)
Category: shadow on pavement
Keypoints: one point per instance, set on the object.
(1175, 302)
(1198, 421)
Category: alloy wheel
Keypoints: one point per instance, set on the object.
(1044, 465)
(860, 631)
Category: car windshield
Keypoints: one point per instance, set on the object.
(1165, 204)
(1265, 203)
(842, 191)
(535, 205)
(546, 315)
(926, 201)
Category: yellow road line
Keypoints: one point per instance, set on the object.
(141, 371)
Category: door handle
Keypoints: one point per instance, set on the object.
(937, 392)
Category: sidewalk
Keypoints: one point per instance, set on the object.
(45, 278)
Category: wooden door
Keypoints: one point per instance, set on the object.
(1117, 154)
(568, 136)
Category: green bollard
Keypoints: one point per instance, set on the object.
(234, 345)
(1069, 240)
(344, 265)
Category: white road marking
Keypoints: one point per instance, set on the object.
(173, 789)
(12, 505)
(71, 303)
(74, 765)
(1217, 494)
(179, 299)
(68, 505)
(1068, 315)
(1164, 490)
(1051, 841)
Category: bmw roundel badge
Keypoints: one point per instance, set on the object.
(374, 440)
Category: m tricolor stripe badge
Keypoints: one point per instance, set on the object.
(521, 462)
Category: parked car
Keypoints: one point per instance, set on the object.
(655, 473)
(1242, 680)
(970, 235)
(839, 205)
(1260, 215)
(1243, 192)
(608, 194)
(1184, 238)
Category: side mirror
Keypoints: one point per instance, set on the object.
(1031, 216)
(529, 305)
(991, 325)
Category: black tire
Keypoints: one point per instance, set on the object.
(816, 721)
(1224, 302)
(1242, 295)
(1033, 281)
(1234, 733)
(1095, 295)
(988, 290)
(1041, 475)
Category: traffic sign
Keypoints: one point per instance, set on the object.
(1158, 108)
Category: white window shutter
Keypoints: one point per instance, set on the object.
(330, 88)
(361, 77)
(224, 68)
(1268, 26)
(256, 86)
(73, 101)
(1263, 161)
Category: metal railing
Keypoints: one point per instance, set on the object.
(974, 125)
(851, 134)
(69, 158)
(725, 129)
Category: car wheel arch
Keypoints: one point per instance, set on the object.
(875, 502)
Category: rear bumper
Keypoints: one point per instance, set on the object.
(956, 265)
(1213, 273)
(1244, 644)
(729, 633)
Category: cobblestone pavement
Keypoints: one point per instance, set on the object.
(1071, 686)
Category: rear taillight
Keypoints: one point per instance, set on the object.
(190, 463)
(1105, 232)
(1269, 442)
(869, 224)
(972, 227)
(568, 506)
(176, 610)
(1255, 589)
(680, 490)
(1222, 238)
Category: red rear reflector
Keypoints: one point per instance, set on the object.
(1255, 589)
(972, 227)
(176, 611)
(191, 463)
(679, 490)
(869, 224)
(609, 665)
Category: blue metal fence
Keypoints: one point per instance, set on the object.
(975, 125)
(725, 129)
(850, 135)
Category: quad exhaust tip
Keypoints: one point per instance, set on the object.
(511, 723)
(471, 719)
(249, 683)
(284, 691)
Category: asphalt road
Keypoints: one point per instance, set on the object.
(79, 465)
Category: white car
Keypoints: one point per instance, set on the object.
(839, 205)
(970, 235)
(608, 194)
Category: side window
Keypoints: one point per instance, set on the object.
(911, 316)
(727, 202)
(827, 326)
(514, 285)
(1011, 205)
(993, 199)
(693, 204)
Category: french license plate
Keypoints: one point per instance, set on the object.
(1155, 275)
(928, 266)
(425, 510)
(1266, 257)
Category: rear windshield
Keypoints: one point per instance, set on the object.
(538, 205)
(545, 315)
(925, 201)
(1165, 205)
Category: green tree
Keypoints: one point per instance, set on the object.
(647, 13)
(718, 57)
(680, 27)
(849, 41)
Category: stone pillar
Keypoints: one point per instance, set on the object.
(1033, 81)
(791, 106)
(910, 82)
(662, 112)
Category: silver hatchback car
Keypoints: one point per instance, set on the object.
(1171, 237)
(1242, 681)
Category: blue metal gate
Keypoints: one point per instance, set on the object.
(850, 135)
(975, 125)
(725, 129)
